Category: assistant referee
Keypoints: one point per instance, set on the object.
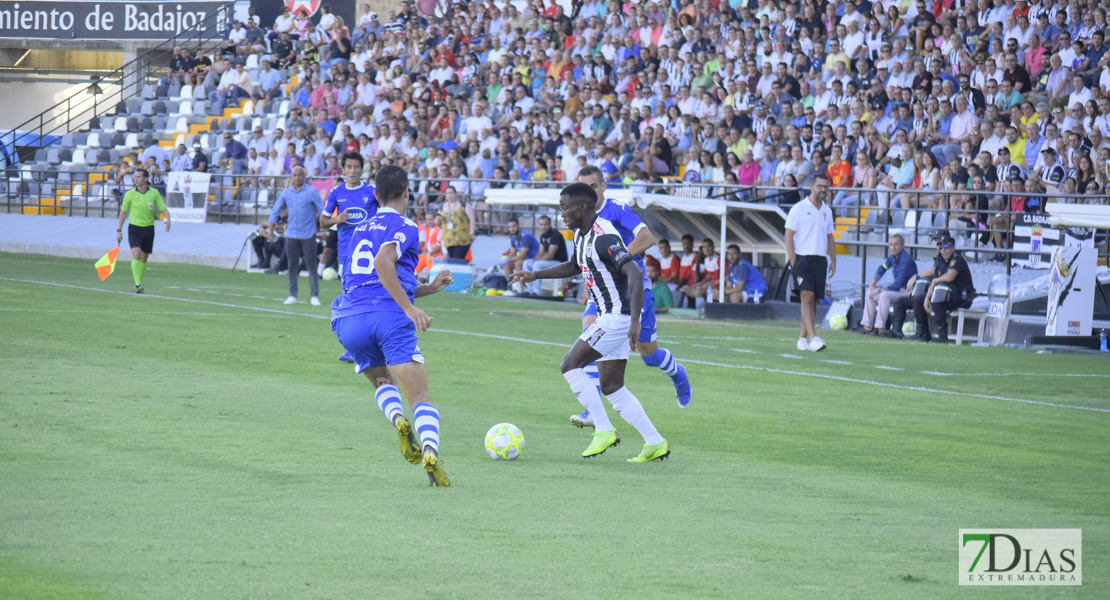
(809, 240)
(143, 205)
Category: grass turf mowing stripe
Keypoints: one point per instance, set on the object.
(546, 343)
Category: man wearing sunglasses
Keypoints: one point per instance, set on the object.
(951, 268)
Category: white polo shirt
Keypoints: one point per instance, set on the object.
(811, 226)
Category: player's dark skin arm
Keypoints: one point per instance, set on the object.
(385, 263)
(635, 277)
(567, 269)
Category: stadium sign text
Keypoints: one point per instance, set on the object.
(1021, 557)
(106, 20)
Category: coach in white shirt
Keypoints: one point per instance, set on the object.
(809, 239)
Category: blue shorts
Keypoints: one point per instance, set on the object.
(377, 339)
(647, 317)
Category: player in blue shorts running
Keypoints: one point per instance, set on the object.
(376, 321)
(349, 204)
(637, 238)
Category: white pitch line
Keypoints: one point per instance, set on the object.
(545, 343)
(886, 368)
(704, 346)
(940, 374)
(837, 362)
(744, 351)
(794, 356)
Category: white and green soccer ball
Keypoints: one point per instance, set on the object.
(504, 442)
(329, 274)
(838, 322)
(909, 328)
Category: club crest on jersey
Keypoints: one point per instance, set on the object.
(356, 215)
(400, 237)
(597, 228)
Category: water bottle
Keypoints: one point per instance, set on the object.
(1102, 341)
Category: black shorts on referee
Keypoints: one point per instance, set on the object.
(141, 238)
(809, 274)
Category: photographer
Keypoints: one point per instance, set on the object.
(268, 243)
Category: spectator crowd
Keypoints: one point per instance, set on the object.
(970, 106)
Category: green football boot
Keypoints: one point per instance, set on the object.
(603, 440)
(652, 452)
(409, 448)
(437, 477)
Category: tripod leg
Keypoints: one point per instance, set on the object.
(241, 250)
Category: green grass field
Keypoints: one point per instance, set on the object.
(202, 441)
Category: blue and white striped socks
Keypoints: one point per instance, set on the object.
(591, 371)
(389, 400)
(663, 359)
(427, 425)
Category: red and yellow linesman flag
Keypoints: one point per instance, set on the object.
(107, 264)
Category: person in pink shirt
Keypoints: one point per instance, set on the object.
(747, 174)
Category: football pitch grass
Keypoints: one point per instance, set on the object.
(203, 441)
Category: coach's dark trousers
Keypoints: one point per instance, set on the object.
(295, 250)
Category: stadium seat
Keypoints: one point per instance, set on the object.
(133, 125)
(199, 93)
(94, 123)
(67, 140)
(113, 155)
(284, 108)
(200, 108)
(179, 140)
(242, 124)
(148, 92)
(80, 138)
(248, 108)
(53, 156)
(159, 124)
(256, 123)
(78, 157)
(185, 109)
(65, 154)
(117, 140)
(131, 141)
(134, 106)
(90, 157)
(104, 157)
(161, 91)
(160, 109)
(120, 124)
(148, 140)
(147, 108)
(40, 155)
(146, 124)
(186, 92)
(121, 108)
(182, 125)
(252, 62)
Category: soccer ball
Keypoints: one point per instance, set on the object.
(909, 328)
(329, 274)
(838, 322)
(504, 442)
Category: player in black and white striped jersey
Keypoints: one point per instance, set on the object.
(616, 284)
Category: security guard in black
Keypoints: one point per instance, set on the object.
(951, 268)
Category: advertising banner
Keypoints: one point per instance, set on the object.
(187, 195)
(109, 20)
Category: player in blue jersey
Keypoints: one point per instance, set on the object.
(637, 238)
(349, 204)
(376, 321)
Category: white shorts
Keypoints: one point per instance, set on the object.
(609, 336)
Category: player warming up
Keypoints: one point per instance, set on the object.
(616, 285)
(376, 321)
(637, 238)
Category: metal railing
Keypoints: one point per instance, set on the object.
(103, 96)
(246, 198)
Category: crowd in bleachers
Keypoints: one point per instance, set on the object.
(936, 103)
